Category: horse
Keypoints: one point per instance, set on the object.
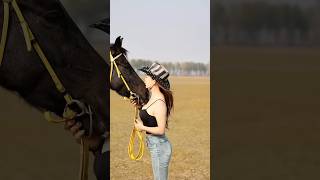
(130, 77)
(81, 70)
(125, 68)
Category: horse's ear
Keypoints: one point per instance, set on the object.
(118, 42)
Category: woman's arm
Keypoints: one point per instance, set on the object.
(160, 114)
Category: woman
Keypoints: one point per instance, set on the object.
(154, 118)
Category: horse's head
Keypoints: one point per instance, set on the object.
(80, 68)
(135, 83)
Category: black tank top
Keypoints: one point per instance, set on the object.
(147, 119)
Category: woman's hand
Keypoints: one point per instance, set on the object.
(135, 103)
(139, 125)
(74, 128)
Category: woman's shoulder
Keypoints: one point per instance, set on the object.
(160, 103)
(154, 102)
(160, 106)
(160, 99)
(157, 97)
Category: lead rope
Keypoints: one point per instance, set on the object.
(31, 42)
(84, 148)
(4, 28)
(134, 132)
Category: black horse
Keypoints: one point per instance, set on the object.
(82, 71)
(125, 68)
(127, 71)
(79, 67)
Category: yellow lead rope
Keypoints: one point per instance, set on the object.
(135, 132)
(5, 27)
(84, 159)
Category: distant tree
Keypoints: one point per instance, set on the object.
(262, 23)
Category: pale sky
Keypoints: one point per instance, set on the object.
(163, 30)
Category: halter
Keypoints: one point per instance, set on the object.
(132, 96)
(114, 64)
(68, 113)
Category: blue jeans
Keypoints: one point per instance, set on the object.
(160, 151)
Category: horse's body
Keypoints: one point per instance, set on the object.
(81, 70)
(79, 67)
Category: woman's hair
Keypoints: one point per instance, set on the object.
(169, 100)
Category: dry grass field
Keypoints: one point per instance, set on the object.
(266, 105)
(33, 149)
(189, 133)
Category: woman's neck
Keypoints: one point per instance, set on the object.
(154, 92)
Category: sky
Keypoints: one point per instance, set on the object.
(164, 31)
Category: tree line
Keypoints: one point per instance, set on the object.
(264, 23)
(176, 68)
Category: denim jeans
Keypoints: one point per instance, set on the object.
(160, 151)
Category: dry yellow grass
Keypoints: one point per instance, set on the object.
(32, 148)
(189, 133)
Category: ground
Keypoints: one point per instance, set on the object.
(32, 148)
(189, 133)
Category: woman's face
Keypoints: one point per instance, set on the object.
(149, 81)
